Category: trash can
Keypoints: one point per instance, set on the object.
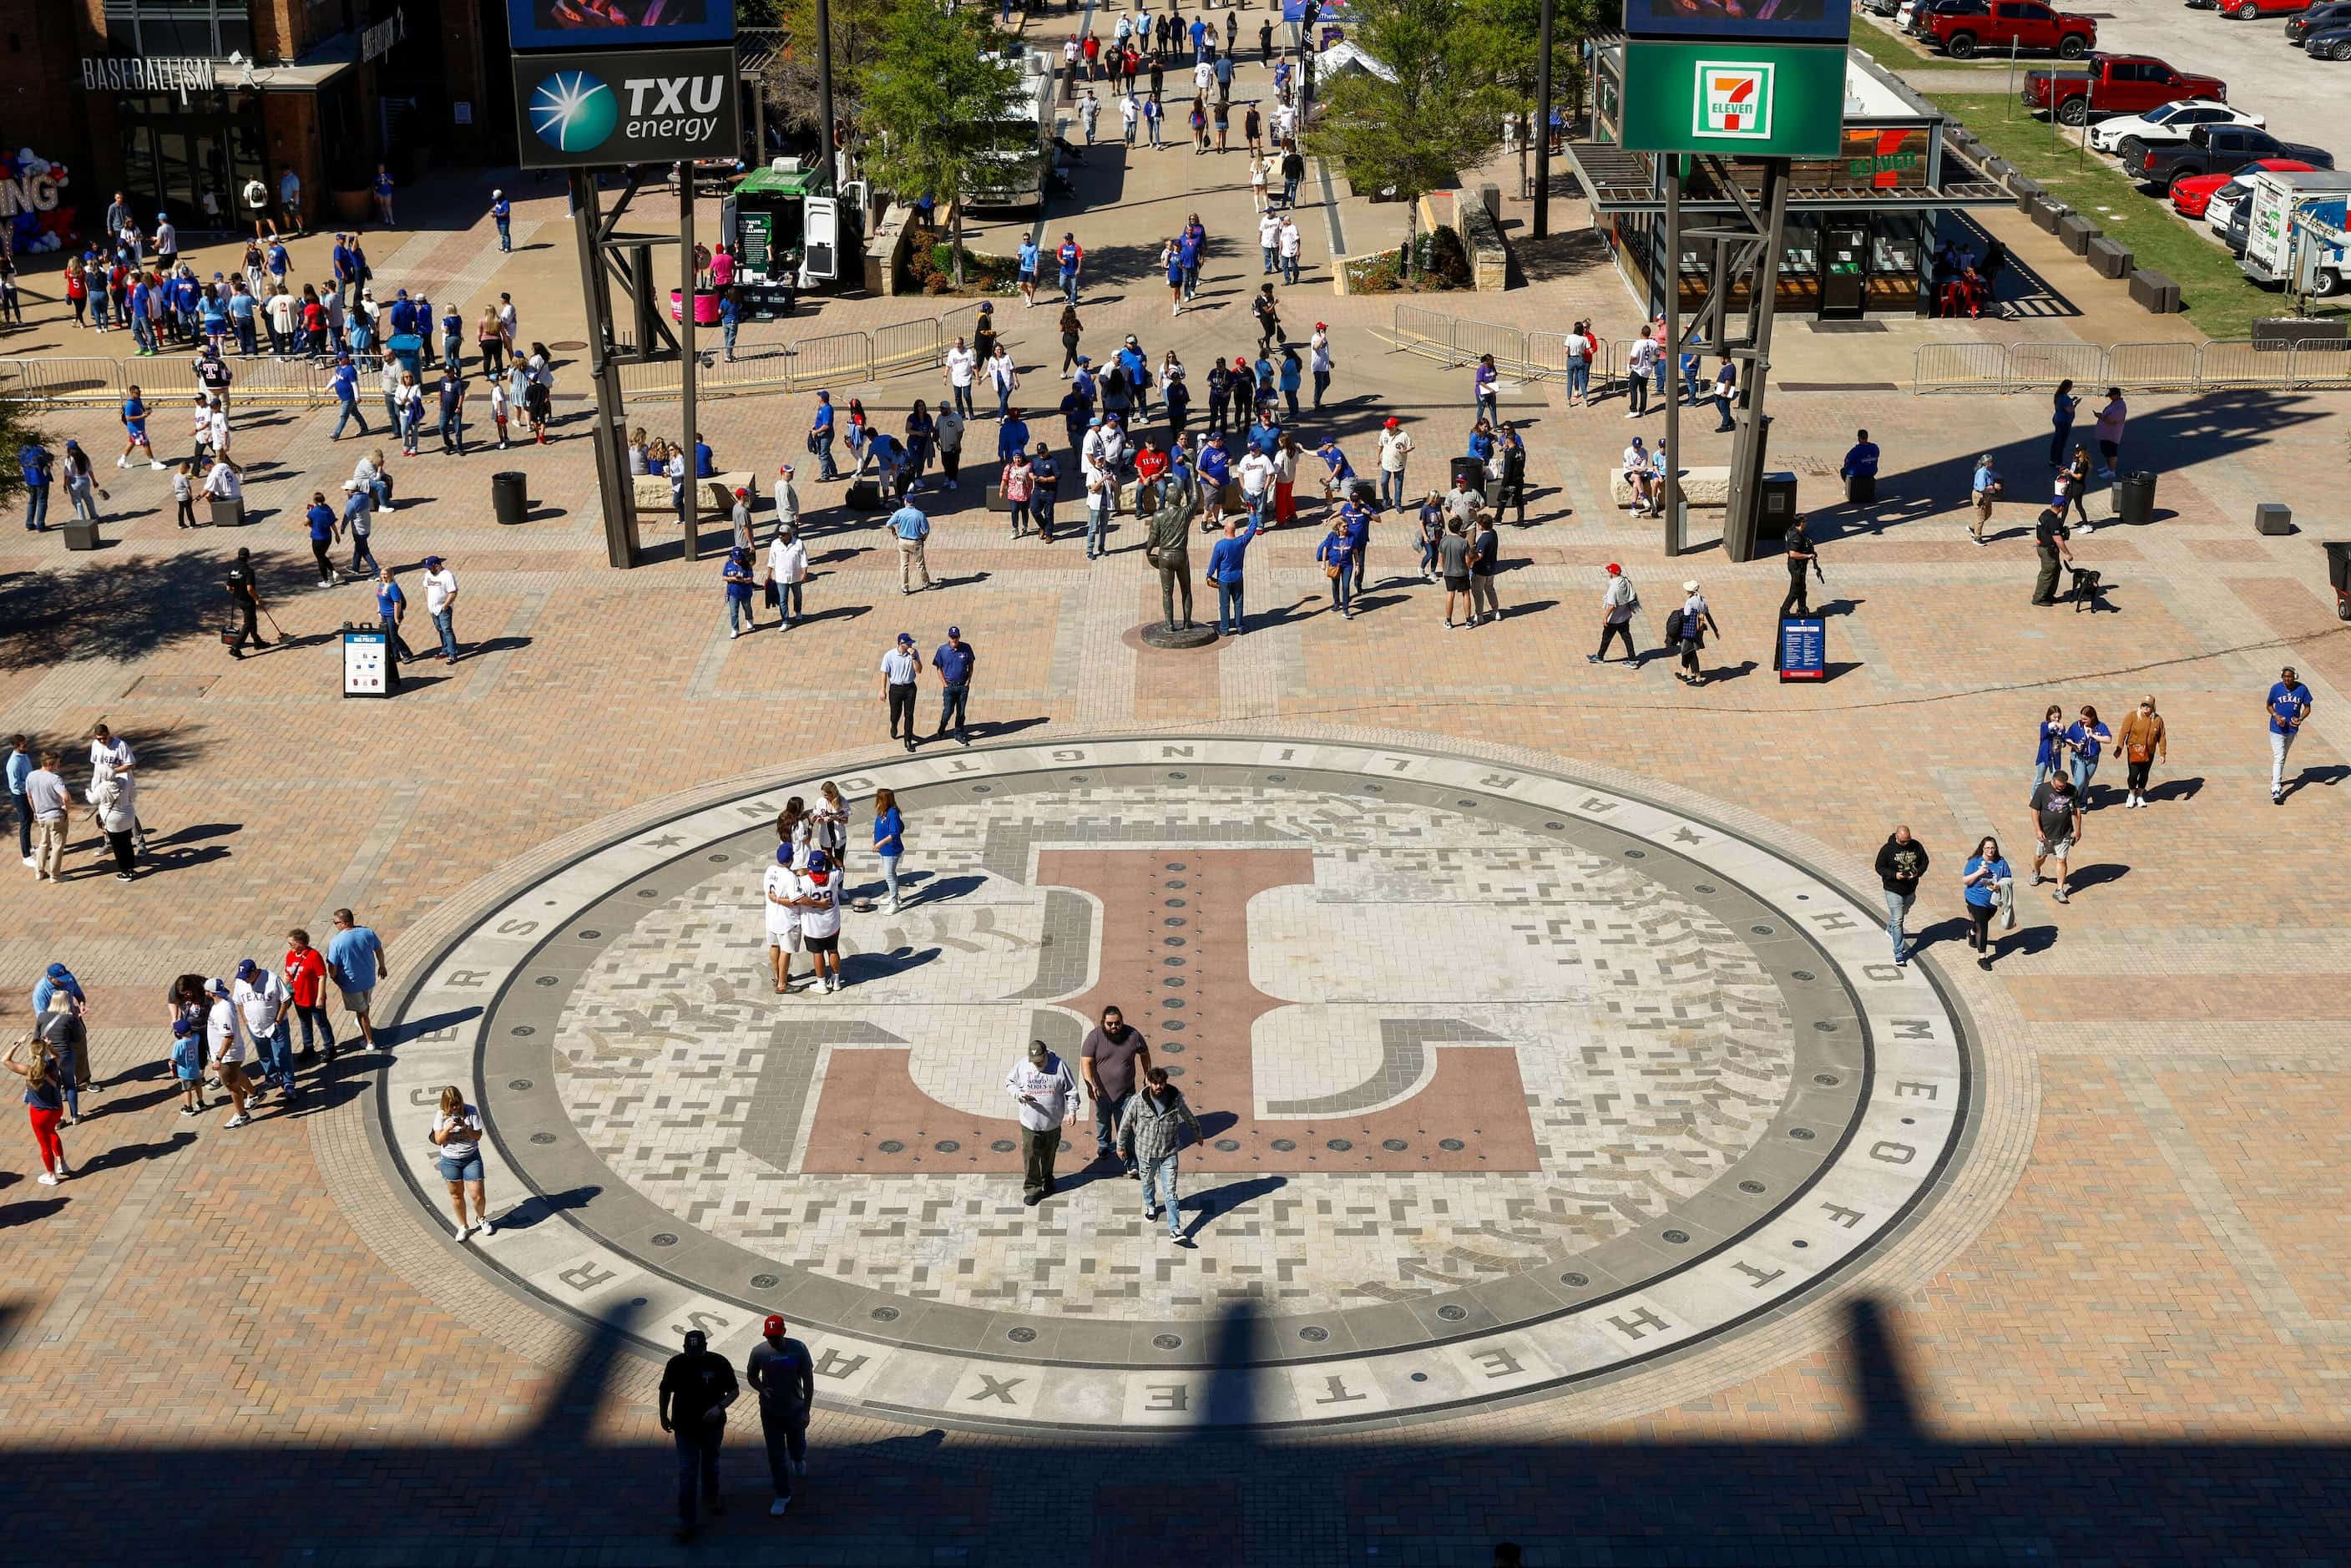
(228, 511)
(1469, 473)
(1860, 489)
(509, 500)
(1776, 494)
(2134, 497)
(2338, 572)
(82, 534)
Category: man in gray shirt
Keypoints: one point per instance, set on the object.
(784, 1374)
(46, 795)
(1453, 562)
(1112, 1057)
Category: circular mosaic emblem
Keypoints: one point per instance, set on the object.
(1505, 1083)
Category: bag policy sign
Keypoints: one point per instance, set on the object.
(652, 106)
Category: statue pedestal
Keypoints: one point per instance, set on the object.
(1161, 634)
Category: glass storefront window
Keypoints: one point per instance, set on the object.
(207, 28)
(1894, 252)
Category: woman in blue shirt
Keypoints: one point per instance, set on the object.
(889, 840)
(1337, 554)
(1979, 884)
(2086, 740)
(2049, 753)
(1293, 372)
(1483, 386)
(1481, 443)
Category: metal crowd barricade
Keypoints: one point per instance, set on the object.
(2319, 363)
(2047, 364)
(1506, 344)
(64, 380)
(1424, 330)
(2240, 362)
(956, 323)
(2153, 367)
(1960, 367)
(907, 346)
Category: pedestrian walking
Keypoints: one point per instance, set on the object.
(2063, 406)
(889, 842)
(2057, 828)
(58, 1028)
(2049, 540)
(1618, 602)
(1110, 1061)
(1986, 886)
(742, 610)
(2085, 743)
(357, 964)
(1986, 485)
(696, 1387)
(458, 1133)
(780, 1370)
(2288, 708)
(39, 469)
(47, 799)
(262, 1003)
(305, 972)
(1689, 626)
(29, 1059)
(821, 438)
(2049, 753)
(20, 766)
(955, 661)
(227, 1045)
(2109, 432)
(1070, 260)
(441, 605)
(1337, 554)
(1047, 1094)
(1902, 860)
(2139, 743)
(1151, 1127)
(1725, 392)
(1291, 241)
(1485, 555)
(912, 528)
(901, 668)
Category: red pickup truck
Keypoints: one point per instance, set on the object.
(2026, 24)
(2115, 84)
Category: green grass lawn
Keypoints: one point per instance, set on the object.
(2218, 298)
(1897, 52)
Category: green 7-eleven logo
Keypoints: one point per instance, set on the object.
(1734, 100)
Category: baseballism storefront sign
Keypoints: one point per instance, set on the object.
(639, 106)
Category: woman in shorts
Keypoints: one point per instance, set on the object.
(457, 1133)
(779, 893)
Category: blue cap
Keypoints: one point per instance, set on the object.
(783, 855)
(219, 987)
(906, 636)
(955, 631)
(182, 1029)
(59, 972)
(819, 861)
(245, 969)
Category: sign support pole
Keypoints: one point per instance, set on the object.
(832, 171)
(1676, 383)
(687, 363)
(1542, 131)
(1748, 446)
(612, 485)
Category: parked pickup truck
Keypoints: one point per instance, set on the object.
(2211, 150)
(2114, 84)
(2026, 24)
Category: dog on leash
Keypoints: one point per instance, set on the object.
(2085, 586)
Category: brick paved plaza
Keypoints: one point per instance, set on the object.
(1579, 1169)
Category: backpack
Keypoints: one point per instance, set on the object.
(1674, 627)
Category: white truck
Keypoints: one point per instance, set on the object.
(2294, 229)
(1020, 136)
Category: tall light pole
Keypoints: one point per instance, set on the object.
(1543, 128)
(824, 93)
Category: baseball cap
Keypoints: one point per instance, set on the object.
(182, 1029)
(219, 987)
(740, 491)
(58, 971)
(1614, 570)
(819, 861)
(432, 561)
(1322, 325)
(1690, 586)
(774, 1325)
(784, 470)
(494, 194)
(783, 855)
(906, 636)
(954, 630)
(245, 969)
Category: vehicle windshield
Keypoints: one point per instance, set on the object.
(2162, 116)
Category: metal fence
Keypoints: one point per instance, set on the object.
(763, 362)
(1522, 356)
(2223, 364)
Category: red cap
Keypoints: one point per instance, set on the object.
(773, 1326)
(1614, 570)
(740, 491)
(1322, 325)
(1393, 422)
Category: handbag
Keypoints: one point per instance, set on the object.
(2140, 751)
(1331, 569)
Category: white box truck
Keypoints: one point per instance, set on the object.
(2273, 200)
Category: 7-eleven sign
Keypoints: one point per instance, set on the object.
(1734, 101)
